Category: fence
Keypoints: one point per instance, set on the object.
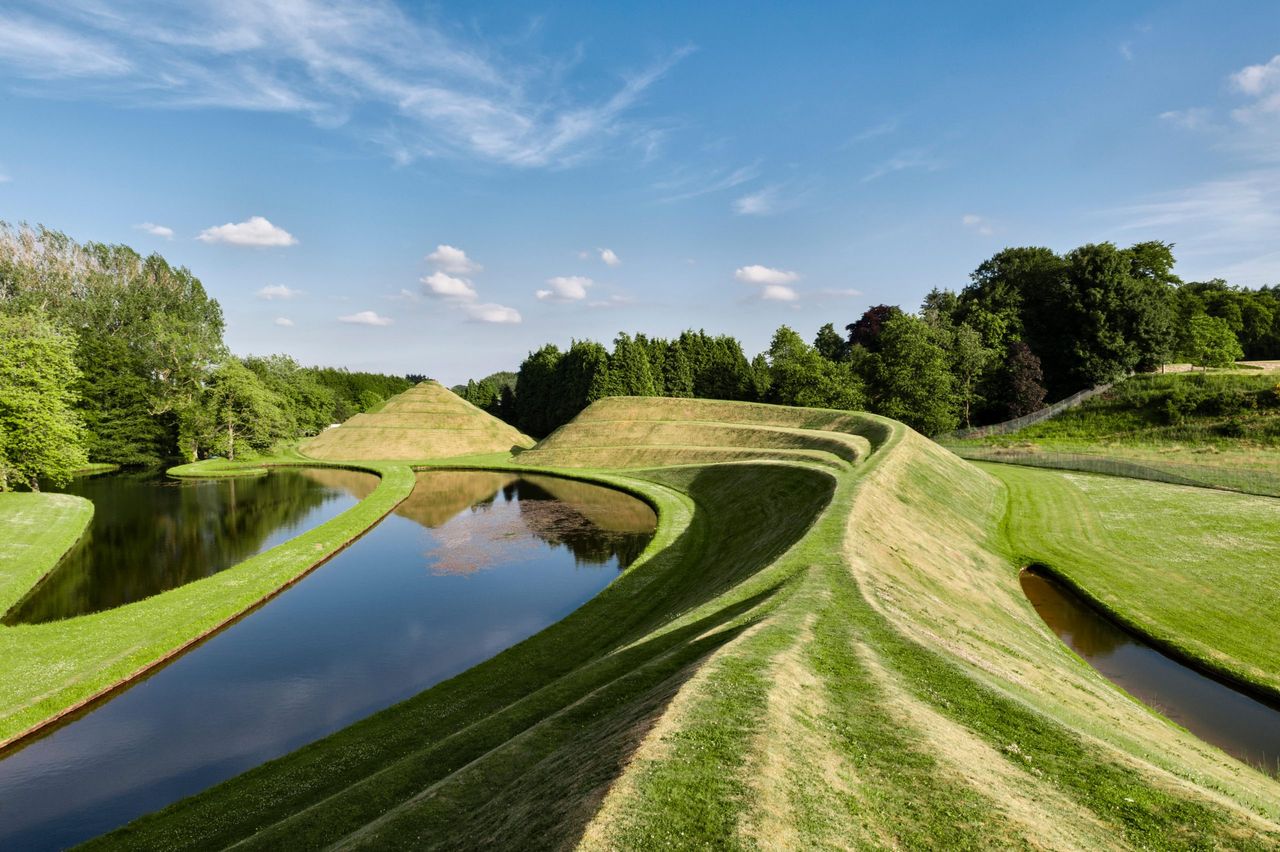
(1026, 420)
(1248, 480)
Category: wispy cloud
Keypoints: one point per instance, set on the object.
(760, 203)
(44, 51)
(156, 230)
(977, 224)
(389, 75)
(1193, 118)
(490, 312)
(913, 158)
(884, 128)
(1126, 50)
(1218, 225)
(686, 183)
(284, 322)
(366, 318)
(255, 232)
(277, 291)
(610, 257)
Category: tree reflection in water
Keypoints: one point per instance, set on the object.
(151, 533)
(596, 524)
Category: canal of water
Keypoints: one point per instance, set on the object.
(470, 564)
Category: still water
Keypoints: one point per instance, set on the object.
(151, 533)
(469, 565)
(1240, 725)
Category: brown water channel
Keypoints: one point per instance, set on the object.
(471, 563)
(1241, 725)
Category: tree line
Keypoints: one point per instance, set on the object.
(1031, 324)
(109, 356)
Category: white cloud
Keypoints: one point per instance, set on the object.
(4, 178)
(1126, 50)
(1262, 83)
(609, 257)
(757, 203)
(156, 230)
(255, 231)
(565, 288)
(490, 312)
(284, 322)
(778, 293)
(277, 291)
(365, 318)
(838, 293)
(388, 74)
(1258, 79)
(449, 287)
(455, 260)
(976, 223)
(756, 274)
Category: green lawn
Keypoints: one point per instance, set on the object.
(806, 655)
(47, 669)
(1196, 570)
(1216, 429)
(38, 529)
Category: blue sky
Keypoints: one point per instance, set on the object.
(441, 188)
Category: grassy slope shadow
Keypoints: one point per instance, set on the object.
(521, 749)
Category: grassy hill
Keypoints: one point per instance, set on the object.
(825, 645)
(425, 422)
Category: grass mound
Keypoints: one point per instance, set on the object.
(810, 656)
(623, 432)
(425, 422)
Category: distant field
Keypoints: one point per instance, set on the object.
(1216, 429)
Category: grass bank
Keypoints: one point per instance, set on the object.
(38, 529)
(1193, 570)
(818, 655)
(49, 670)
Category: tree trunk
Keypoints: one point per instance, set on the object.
(231, 441)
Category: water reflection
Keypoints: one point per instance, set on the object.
(381, 621)
(1239, 724)
(151, 533)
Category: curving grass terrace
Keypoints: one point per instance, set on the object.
(812, 652)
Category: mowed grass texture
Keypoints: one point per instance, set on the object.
(1196, 570)
(48, 669)
(425, 422)
(809, 655)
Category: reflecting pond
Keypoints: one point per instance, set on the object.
(470, 564)
(1239, 724)
(151, 533)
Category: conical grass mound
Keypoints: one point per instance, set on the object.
(425, 422)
